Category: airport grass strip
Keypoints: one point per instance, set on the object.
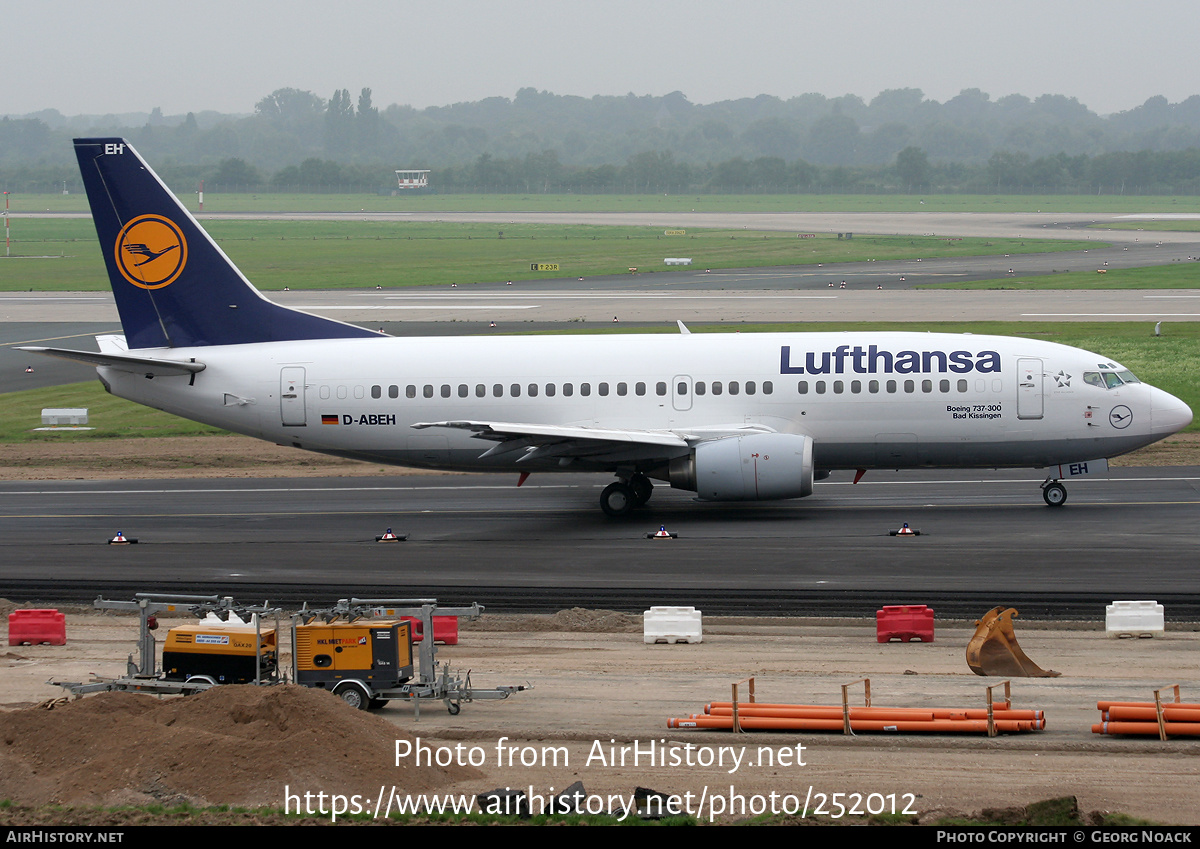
(61, 255)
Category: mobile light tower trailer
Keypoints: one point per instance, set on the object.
(362, 651)
(228, 645)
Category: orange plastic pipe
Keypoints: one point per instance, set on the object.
(1178, 729)
(1148, 714)
(712, 707)
(940, 726)
(830, 712)
(1184, 705)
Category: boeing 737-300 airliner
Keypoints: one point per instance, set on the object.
(731, 417)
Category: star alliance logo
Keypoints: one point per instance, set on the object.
(1062, 379)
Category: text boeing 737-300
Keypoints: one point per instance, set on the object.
(732, 417)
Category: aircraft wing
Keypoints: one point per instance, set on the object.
(124, 362)
(565, 442)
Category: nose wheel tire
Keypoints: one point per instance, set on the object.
(617, 499)
(1055, 494)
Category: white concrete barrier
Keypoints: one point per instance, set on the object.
(672, 625)
(1133, 619)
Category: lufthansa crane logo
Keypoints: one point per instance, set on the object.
(1120, 417)
(151, 251)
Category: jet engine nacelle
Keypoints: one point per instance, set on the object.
(757, 467)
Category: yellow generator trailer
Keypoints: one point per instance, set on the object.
(359, 660)
(220, 653)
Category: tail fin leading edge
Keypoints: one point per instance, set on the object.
(173, 286)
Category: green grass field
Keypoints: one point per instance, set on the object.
(1184, 275)
(62, 254)
(1170, 362)
(112, 417)
(249, 202)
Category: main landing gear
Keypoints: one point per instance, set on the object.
(1054, 493)
(622, 497)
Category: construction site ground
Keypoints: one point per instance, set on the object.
(600, 693)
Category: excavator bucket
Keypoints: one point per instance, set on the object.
(994, 651)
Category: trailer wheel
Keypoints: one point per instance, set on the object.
(198, 679)
(376, 704)
(353, 695)
(454, 708)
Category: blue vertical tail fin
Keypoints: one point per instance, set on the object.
(173, 286)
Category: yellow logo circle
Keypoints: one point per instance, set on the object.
(151, 251)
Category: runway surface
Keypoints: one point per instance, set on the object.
(987, 539)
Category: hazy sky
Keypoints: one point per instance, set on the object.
(133, 55)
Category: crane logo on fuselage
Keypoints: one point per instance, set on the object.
(151, 251)
(874, 360)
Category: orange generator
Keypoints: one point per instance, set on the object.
(356, 660)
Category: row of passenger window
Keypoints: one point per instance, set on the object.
(532, 390)
(733, 386)
(716, 387)
(873, 387)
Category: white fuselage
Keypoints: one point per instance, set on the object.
(867, 400)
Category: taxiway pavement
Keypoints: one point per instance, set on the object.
(987, 539)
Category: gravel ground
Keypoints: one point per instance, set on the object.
(598, 690)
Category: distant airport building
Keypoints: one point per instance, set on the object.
(413, 181)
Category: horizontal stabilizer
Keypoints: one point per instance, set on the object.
(123, 362)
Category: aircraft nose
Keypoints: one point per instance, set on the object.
(1167, 413)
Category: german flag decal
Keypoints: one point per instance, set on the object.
(329, 419)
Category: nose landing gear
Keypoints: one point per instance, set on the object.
(1054, 493)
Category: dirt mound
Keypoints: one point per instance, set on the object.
(577, 619)
(219, 747)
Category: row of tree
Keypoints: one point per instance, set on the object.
(1143, 172)
(538, 141)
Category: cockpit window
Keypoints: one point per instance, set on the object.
(1109, 379)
